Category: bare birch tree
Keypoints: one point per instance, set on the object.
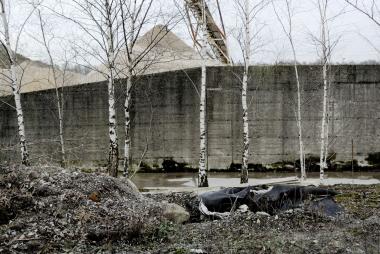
(325, 50)
(288, 30)
(247, 13)
(58, 85)
(326, 46)
(135, 16)
(247, 53)
(100, 22)
(211, 37)
(202, 175)
(13, 79)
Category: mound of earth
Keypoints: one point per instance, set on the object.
(51, 209)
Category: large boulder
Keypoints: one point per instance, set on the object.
(175, 213)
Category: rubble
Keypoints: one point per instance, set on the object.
(56, 210)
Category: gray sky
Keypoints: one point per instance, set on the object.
(353, 29)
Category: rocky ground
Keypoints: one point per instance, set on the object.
(51, 210)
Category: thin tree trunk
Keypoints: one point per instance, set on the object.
(20, 118)
(57, 94)
(202, 178)
(322, 165)
(113, 160)
(244, 170)
(247, 51)
(327, 127)
(127, 143)
(299, 125)
(325, 55)
(15, 89)
(202, 175)
(61, 126)
(299, 115)
(60, 119)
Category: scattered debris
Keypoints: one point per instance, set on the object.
(269, 200)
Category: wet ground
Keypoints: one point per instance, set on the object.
(143, 180)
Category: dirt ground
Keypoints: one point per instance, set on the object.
(52, 210)
(294, 231)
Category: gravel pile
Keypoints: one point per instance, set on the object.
(56, 210)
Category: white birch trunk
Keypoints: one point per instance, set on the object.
(113, 160)
(20, 118)
(247, 51)
(15, 89)
(322, 161)
(299, 115)
(202, 175)
(299, 125)
(324, 45)
(61, 126)
(113, 149)
(244, 170)
(327, 125)
(127, 142)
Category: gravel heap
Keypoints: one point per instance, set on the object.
(56, 210)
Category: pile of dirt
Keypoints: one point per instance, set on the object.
(56, 210)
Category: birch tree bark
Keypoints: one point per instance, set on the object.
(322, 162)
(100, 41)
(247, 57)
(127, 110)
(113, 160)
(202, 174)
(15, 87)
(322, 4)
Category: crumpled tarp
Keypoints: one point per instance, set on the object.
(271, 200)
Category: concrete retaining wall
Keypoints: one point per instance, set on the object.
(166, 115)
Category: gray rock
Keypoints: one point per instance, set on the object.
(243, 209)
(263, 214)
(373, 220)
(175, 213)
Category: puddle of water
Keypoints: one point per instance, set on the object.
(143, 180)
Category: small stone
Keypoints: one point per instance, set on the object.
(263, 214)
(373, 220)
(197, 251)
(94, 196)
(243, 208)
(33, 175)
